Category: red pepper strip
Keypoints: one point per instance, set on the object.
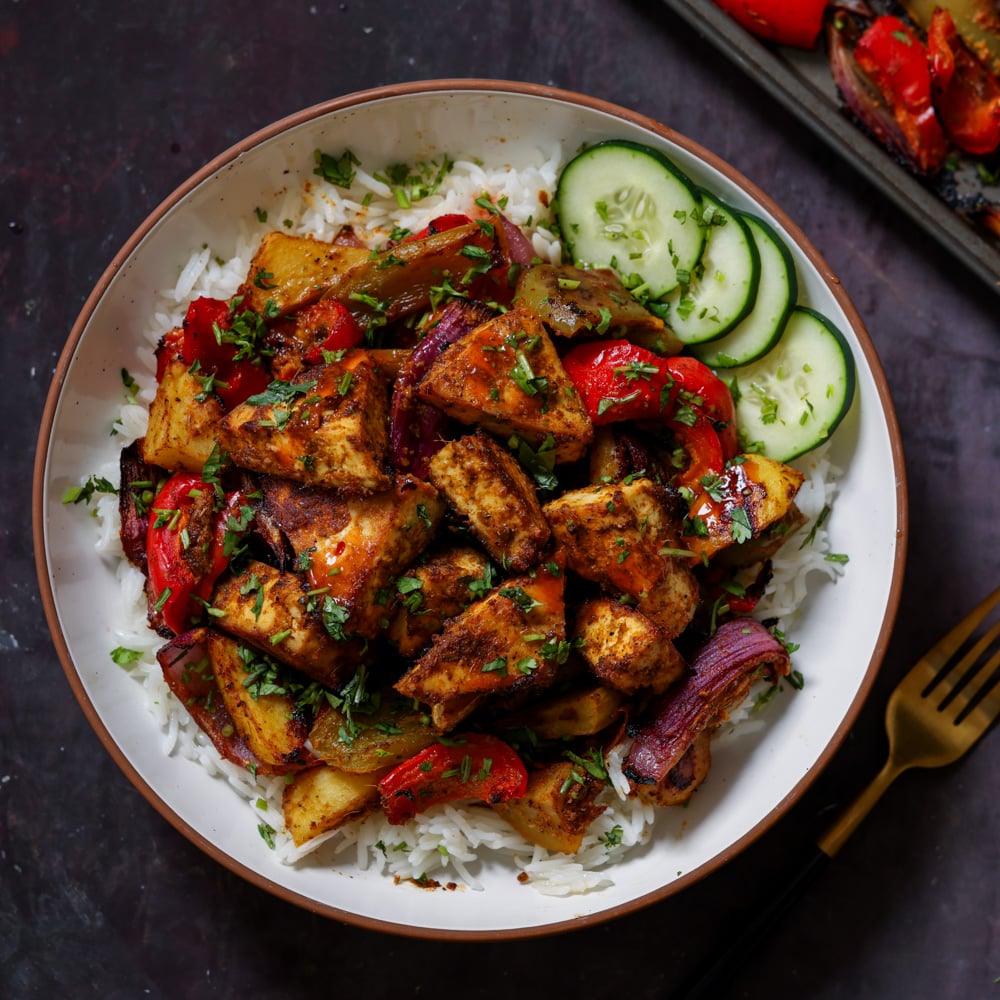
(440, 225)
(188, 545)
(704, 451)
(895, 60)
(234, 381)
(707, 395)
(476, 766)
(966, 93)
(787, 22)
(618, 380)
(330, 326)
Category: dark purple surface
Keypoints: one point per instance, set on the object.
(106, 108)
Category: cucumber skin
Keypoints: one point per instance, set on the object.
(620, 144)
(850, 385)
(711, 352)
(735, 217)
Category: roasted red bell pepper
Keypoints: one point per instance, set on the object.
(787, 22)
(618, 380)
(473, 766)
(204, 346)
(439, 225)
(966, 93)
(895, 60)
(330, 327)
(189, 543)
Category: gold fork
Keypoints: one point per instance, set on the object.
(937, 712)
(928, 719)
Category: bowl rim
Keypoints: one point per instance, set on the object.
(442, 86)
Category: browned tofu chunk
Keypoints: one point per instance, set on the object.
(432, 592)
(327, 427)
(503, 643)
(487, 486)
(626, 649)
(557, 807)
(323, 798)
(276, 613)
(623, 537)
(753, 493)
(183, 428)
(353, 548)
(269, 723)
(288, 272)
(506, 377)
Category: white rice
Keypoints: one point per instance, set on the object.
(445, 842)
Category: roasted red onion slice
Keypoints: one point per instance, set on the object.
(514, 245)
(188, 673)
(135, 493)
(720, 677)
(416, 429)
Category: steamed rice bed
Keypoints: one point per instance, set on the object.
(446, 842)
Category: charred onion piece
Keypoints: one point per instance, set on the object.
(720, 677)
(135, 494)
(414, 427)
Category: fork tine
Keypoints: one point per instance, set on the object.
(988, 709)
(969, 692)
(956, 676)
(939, 655)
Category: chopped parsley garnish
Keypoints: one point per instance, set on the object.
(338, 170)
(85, 493)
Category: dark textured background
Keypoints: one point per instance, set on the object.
(106, 107)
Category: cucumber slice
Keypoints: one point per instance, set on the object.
(777, 293)
(626, 206)
(790, 401)
(722, 289)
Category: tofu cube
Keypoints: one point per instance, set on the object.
(506, 377)
(484, 483)
(624, 537)
(327, 427)
(353, 548)
(626, 649)
(274, 612)
(503, 643)
(430, 593)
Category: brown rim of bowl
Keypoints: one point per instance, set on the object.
(562, 96)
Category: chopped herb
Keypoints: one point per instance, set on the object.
(279, 392)
(85, 493)
(338, 170)
(540, 463)
(125, 657)
(520, 597)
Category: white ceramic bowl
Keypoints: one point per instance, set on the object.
(842, 635)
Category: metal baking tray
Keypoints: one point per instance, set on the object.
(802, 82)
